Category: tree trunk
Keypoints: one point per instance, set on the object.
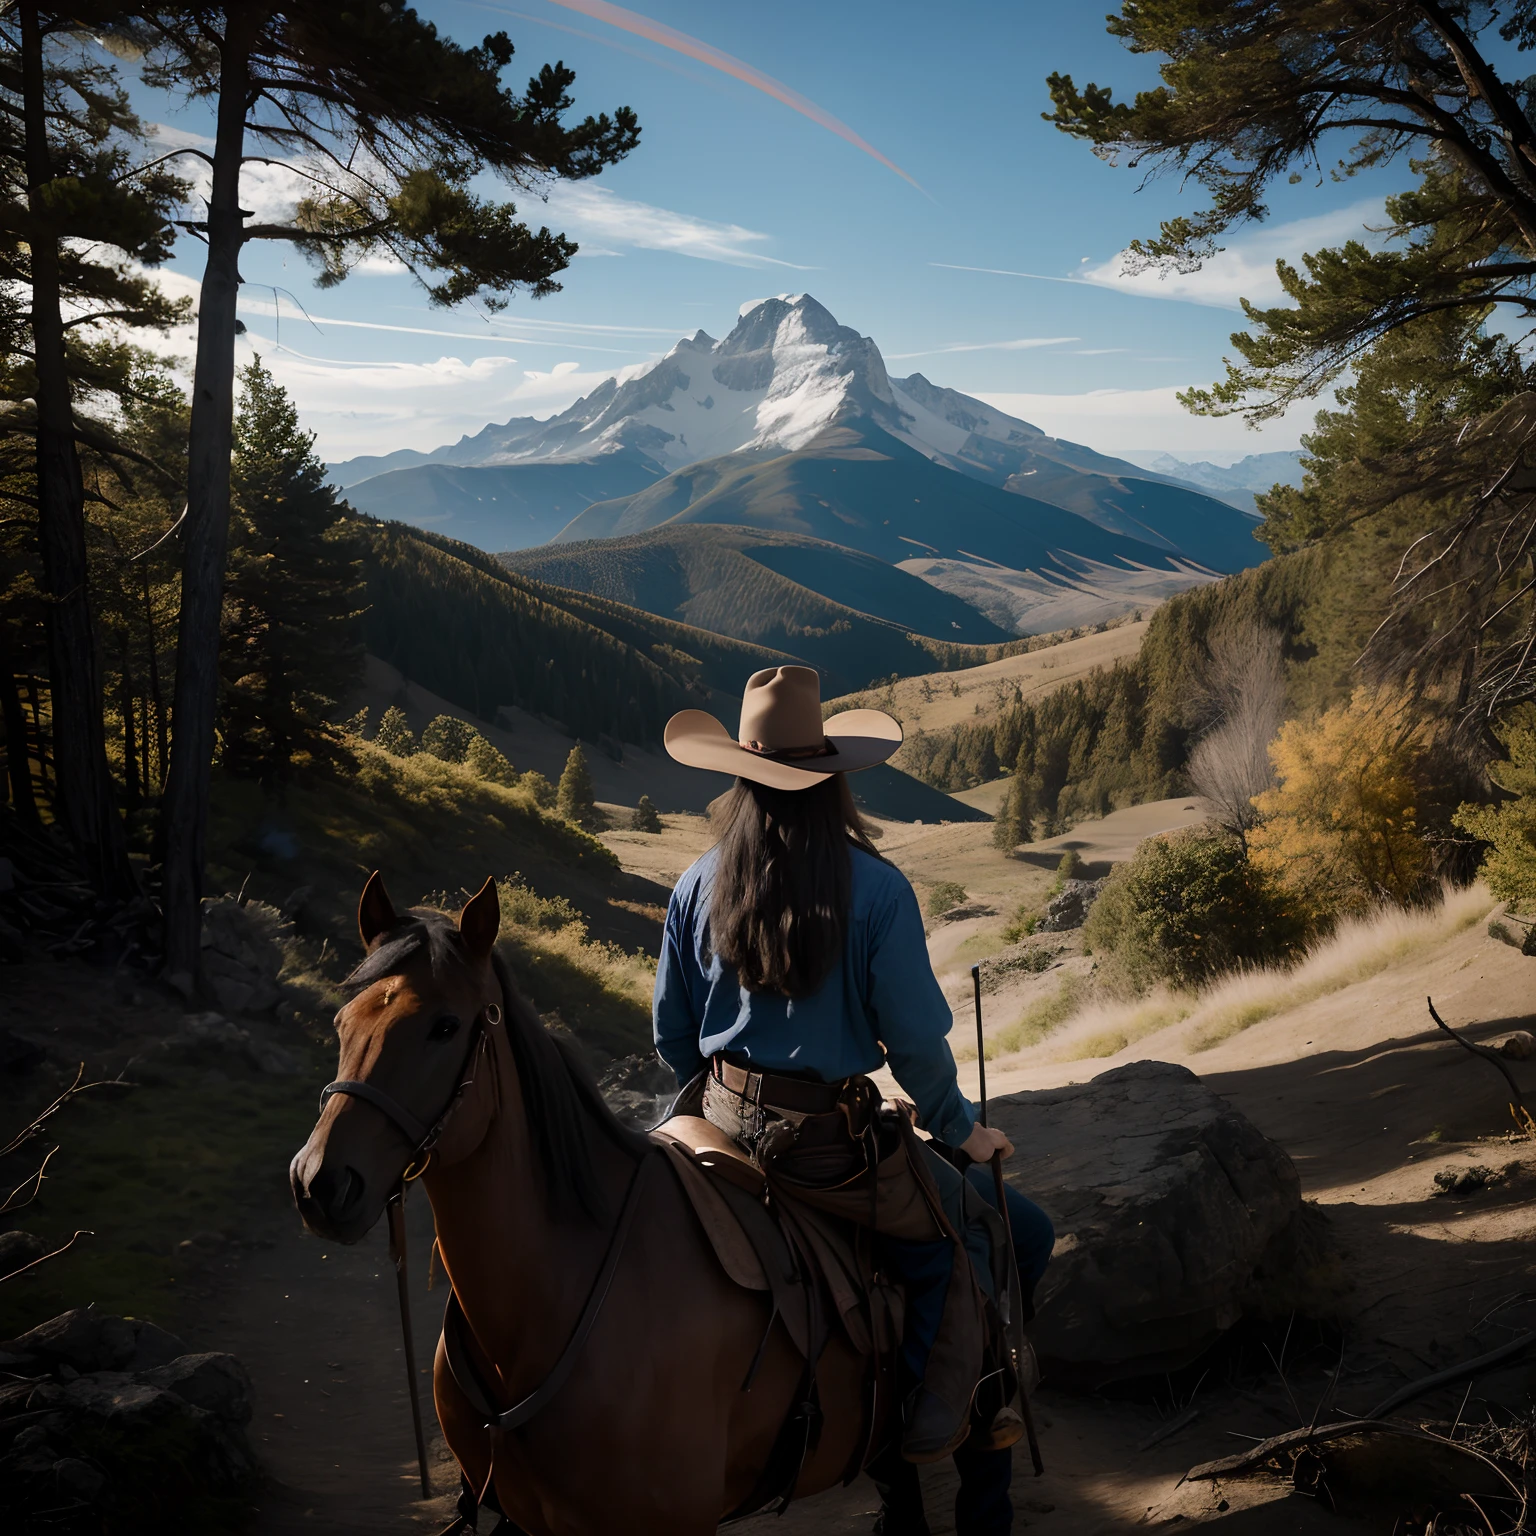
(194, 705)
(18, 755)
(84, 800)
(157, 697)
(127, 704)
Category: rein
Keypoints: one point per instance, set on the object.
(423, 1139)
(470, 1381)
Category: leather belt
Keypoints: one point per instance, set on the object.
(772, 1090)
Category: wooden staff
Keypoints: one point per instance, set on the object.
(1002, 1209)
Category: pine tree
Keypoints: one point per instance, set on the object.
(394, 734)
(484, 760)
(645, 818)
(398, 127)
(85, 212)
(291, 648)
(449, 738)
(576, 801)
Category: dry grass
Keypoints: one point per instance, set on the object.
(1356, 951)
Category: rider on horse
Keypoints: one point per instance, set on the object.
(793, 964)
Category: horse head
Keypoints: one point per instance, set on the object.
(425, 1005)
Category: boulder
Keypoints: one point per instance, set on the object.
(1173, 1212)
(106, 1423)
(1069, 907)
(243, 953)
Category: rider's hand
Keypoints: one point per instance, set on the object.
(983, 1142)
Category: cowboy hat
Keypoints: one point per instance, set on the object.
(783, 742)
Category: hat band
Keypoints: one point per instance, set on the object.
(788, 754)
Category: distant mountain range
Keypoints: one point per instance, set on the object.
(1236, 484)
(790, 425)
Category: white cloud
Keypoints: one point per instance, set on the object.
(1245, 268)
(171, 137)
(588, 212)
(1023, 343)
(1116, 420)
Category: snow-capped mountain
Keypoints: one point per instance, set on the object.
(787, 371)
(791, 424)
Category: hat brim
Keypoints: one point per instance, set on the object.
(864, 738)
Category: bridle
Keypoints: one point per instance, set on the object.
(423, 1140)
(422, 1137)
(480, 1393)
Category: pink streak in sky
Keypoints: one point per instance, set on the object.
(691, 47)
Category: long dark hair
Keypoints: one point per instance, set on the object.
(779, 907)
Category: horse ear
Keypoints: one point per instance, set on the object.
(375, 911)
(480, 920)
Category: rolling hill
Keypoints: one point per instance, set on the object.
(507, 507)
(777, 590)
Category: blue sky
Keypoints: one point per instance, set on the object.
(732, 195)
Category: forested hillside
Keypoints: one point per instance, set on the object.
(453, 620)
(769, 589)
(1122, 734)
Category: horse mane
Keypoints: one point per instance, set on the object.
(559, 1096)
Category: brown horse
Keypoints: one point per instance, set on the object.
(652, 1431)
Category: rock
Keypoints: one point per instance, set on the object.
(92, 1447)
(153, 1346)
(243, 953)
(266, 1055)
(1465, 1181)
(1172, 1213)
(78, 1480)
(217, 1383)
(18, 1249)
(1520, 1046)
(82, 1338)
(1069, 907)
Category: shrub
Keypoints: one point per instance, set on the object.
(645, 818)
(535, 784)
(1188, 907)
(357, 724)
(394, 734)
(1025, 917)
(1070, 868)
(945, 897)
(1510, 829)
(1338, 830)
(483, 760)
(449, 738)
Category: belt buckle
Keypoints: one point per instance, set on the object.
(752, 1089)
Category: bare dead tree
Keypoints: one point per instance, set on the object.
(1462, 620)
(1244, 683)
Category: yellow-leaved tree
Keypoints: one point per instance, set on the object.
(1338, 829)
(1510, 828)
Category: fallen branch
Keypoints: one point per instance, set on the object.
(1455, 1373)
(1301, 1439)
(1518, 1101)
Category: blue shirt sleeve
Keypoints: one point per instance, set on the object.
(673, 1026)
(912, 1019)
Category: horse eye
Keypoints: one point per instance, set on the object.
(444, 1027)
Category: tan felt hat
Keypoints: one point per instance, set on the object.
(783, 742)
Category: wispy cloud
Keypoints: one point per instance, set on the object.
(618, 221)
(704, 53)
(1245, 268)
(1114, 420)
(1097, 351)
(1022, 344)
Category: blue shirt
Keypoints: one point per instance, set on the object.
(881, 1004)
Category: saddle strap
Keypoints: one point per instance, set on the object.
(461, 1364)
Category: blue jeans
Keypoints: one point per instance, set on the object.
(923, 1268)
(982, 1505)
